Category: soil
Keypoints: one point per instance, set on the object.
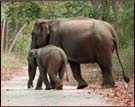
(8, 73)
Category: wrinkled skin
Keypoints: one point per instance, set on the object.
(50, 59)
(84, 40)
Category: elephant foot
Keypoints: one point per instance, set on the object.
(48, 88)
(38, 88)
(59, 87)
(81, 86)
(108, 85)
(53, 86)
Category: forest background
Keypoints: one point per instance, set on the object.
(17, 19)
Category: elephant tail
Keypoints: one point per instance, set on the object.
(126, 78)
(115, 39)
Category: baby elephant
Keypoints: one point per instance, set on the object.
(50, 59)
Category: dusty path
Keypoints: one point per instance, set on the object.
(15, 93)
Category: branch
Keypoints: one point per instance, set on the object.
(17, 35)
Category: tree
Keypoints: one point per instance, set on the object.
(116, 12)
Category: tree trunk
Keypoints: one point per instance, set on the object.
(95, 4)
(16, 36)
(7, 36)
(116, 9)
(3, 34)
(5, 41)
(104, 4)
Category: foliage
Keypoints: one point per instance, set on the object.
(126, 24)
(17, 14)
(25, 11)
(23, 43)
(126, 36)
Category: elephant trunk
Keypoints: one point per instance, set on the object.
(32, 72)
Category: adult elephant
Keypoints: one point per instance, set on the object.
(84, 40)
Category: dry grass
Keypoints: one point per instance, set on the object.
(11, 65)
(9, 60)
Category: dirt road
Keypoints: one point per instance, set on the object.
(15, 93)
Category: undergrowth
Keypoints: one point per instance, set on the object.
(11, 60)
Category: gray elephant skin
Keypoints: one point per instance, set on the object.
(50, 59)
(84, 40)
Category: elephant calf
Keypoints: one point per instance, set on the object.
(50, 59)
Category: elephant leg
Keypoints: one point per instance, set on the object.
(43, 74)
(77, 75)
(62, 70)
(52, 71)
(106, 67)
(39, 83)
(52, 83)
(108, 80)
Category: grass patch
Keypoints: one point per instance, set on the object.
(11, 60)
